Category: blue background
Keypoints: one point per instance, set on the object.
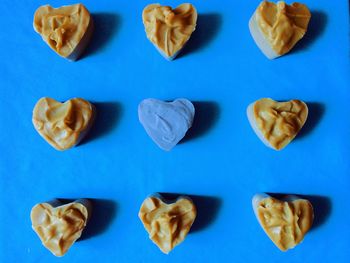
(222, 163)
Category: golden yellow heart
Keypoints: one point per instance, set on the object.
(277, 123)
(169, 29)
(67, 29)
(59, 226)
(285, 222)
(62, 125)
(276, 28)
(167, 223)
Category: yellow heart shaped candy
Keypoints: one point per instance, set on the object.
(285, 222)
(67, 29)
(59, 226)
(169, 29)
(63, 125)
(167, 223)
(276, 28)
(277, 123)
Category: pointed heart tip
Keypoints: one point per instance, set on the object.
(175, 26)
(167, 222)
(63, 125)
(54, 23)
(277, 123)
(268, 26)
(285, 221)
(60, 225)
(166, 122)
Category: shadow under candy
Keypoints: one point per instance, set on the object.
(316, 112)
(208, 26)
(103, 213)
(206, 115)
(105, 29)
(322, 209)
(316, 27)
(107, 115)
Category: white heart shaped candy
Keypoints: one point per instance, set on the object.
(166, 122)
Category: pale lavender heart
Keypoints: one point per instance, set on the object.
(166, 122)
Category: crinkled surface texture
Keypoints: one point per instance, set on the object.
(62, 28)
(169, 29)
(222, 73)
(61, 124)
(286, 223)
(166, 122)
(167, 223)
(281, 24)
(279, 122)
(59, 227)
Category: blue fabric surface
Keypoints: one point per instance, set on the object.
(221, 162)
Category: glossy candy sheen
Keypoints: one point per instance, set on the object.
(222, 71)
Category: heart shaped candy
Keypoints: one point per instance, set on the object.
(167, 223)
(59, 226)
(166, 122)
(67, 29)
(169, 29)
(277, 123)
(276, 28)
(63, 125)
(285, 222)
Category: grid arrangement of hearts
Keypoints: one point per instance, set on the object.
(275, 28)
